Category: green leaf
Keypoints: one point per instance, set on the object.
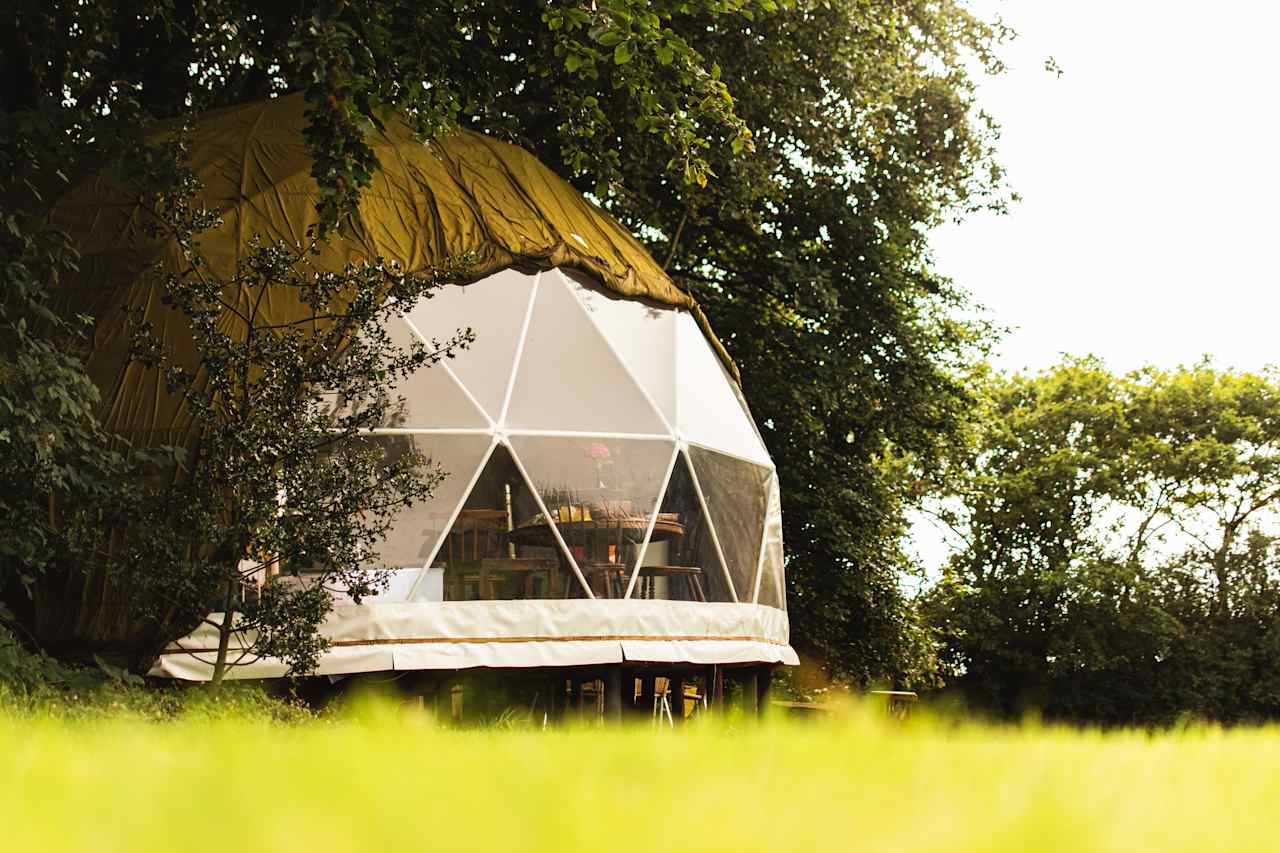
(572, 62)
(665, 54)
(621, 54)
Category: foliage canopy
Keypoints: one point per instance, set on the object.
(1120, 561)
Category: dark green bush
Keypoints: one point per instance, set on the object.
(33, 684)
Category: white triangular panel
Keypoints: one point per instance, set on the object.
(417, 529)
(494, 309)
(643, 335)
(568, 377)
(433, 399)
(707, 408)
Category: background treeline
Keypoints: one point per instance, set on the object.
(1116, 556)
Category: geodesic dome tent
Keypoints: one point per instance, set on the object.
(609, 497)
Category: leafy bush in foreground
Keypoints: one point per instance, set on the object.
(34, 685)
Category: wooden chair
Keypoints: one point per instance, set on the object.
(607, 580)
(689, 546)
(477, 533)
(662, 700)
(603, 542)
(686, 578)
(476, 536)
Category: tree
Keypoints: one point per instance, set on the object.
(61, 475)
(50, 441)
(811, 257)
(807, 247)
(283, 475)
(1119, 545)
(784, 159)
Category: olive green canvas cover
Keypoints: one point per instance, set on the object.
(462, 195)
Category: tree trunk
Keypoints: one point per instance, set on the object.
(613, 695)
(1220, 560)
(224, 632)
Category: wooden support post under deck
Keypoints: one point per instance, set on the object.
(555, 698)
(715, 688)
(629, 677)
(762, 689)
(456, 695)
(750, 693)
(676, 696)
(613, 695)
(646, 693)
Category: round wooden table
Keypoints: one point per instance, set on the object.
(596, 535)
(536, 531)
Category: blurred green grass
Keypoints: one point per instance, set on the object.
(384, 779)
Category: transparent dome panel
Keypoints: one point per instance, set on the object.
(500, 546)
(643, 335)
(708, 409)
(737, 494)
(494, 309)
(681, 565)
(569, 379)
(416, 530)
(602, 494)
(773, 585)
(772, 581)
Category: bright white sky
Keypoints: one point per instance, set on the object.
(1150, 178)
(1150, 181)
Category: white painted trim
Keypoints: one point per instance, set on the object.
(764, 539)
(532, 433)
(524, 335)
(438, 431)
(562, 433)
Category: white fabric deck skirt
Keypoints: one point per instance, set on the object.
(380, 637)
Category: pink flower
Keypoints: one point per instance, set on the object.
(598, 450)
